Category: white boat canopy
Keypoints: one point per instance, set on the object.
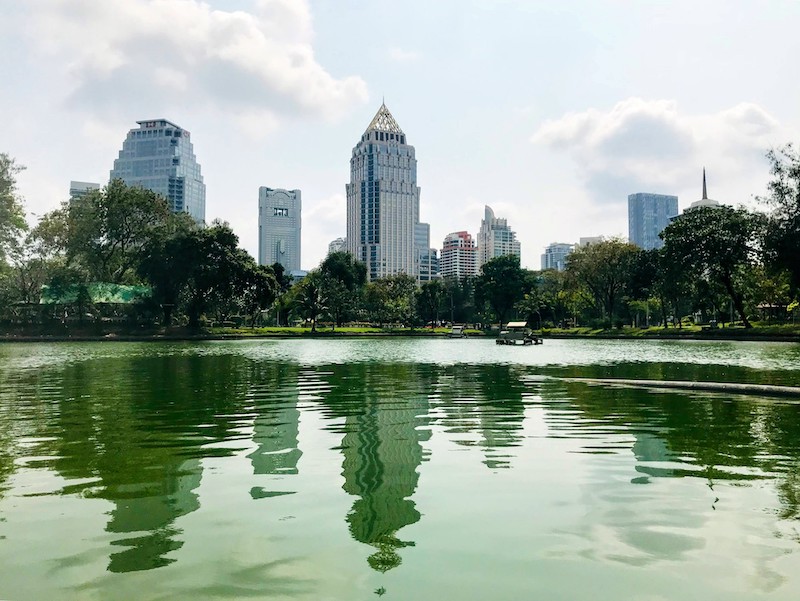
(517, 324)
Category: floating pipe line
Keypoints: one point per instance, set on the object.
(762, 389)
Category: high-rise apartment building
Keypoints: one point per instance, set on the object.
(648, 215)
(159, 156)
(383, 200)
(495, 238)
(555, 256)
(459, 256)
(279, 227)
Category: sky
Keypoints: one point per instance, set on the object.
(549, 112)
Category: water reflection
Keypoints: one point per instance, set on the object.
(653, 476)
(384, 411)
(274, 392)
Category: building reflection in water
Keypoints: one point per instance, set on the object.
(274, 393)
(114, 432)
(485, 401)
(384, 408)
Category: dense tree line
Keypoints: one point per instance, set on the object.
(717, 264)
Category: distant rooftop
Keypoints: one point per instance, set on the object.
(148, 123)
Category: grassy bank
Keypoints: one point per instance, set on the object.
(759, 331)
(93, 332)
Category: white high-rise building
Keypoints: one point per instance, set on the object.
(383, 200)
(338, 245)
(459, 257)
(495, 239)
(555, 256)
(279, 228)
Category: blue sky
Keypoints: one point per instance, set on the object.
(550, 112)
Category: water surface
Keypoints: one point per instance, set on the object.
(396, 468)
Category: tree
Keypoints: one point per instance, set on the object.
(782, 241)
(429, 300)
(104, 233)
(343, 278)
(604, 269)
(259, 290)
(310, 299)
(501, 283)
(12, 214)
(392, 299)
(459, 299)
(716, 244)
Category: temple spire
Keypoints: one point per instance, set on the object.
(705, 192)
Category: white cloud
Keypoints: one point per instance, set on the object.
(399, 55)
(155, 55)
(649, 145)
(323, 220)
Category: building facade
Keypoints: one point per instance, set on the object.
(459, 256)
(279, 227)
(495, 239)
(338, 245)
(425, 257)
(159, 156)
(80, 189)
(648, 215)
(383, 200)
(555, 256)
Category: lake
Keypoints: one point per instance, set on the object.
(396, 468)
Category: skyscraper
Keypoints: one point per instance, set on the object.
(555, 256)
(459, 256)
(279, 226)
(648, 215)
(159, 156)
(383, 200)
(495, 238)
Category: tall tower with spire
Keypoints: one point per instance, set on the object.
(705, 201)
(383, 200)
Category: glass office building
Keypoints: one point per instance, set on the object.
(159, 156)
(648, 215)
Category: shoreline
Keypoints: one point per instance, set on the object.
(718, 336)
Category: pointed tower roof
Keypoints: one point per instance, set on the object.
(705, 201)
(705, 192)
(383, 121)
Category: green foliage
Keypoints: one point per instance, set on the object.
(343, 279)
(716, 245)
(429, 301)
(392, 299)
(782, 242)
(604, 270)
(501, 284)
(311, 300)
(12, 214)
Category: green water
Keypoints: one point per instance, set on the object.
(396, 469)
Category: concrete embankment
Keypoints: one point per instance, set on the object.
(792, 392)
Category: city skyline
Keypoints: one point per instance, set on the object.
(556, 153)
